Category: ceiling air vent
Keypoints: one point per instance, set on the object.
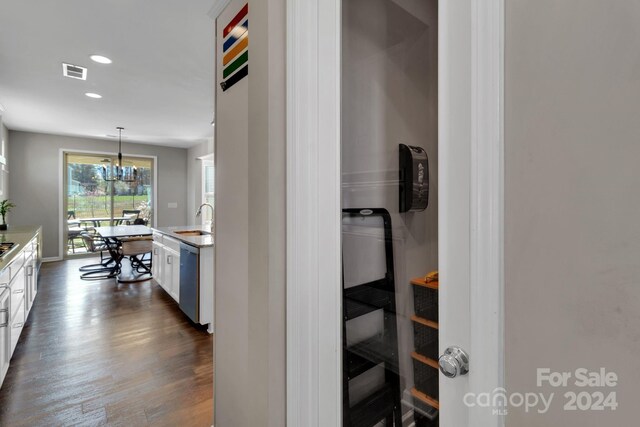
(74, 71)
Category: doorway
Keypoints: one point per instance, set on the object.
(325, 118)
(91, 199)
(389, 181)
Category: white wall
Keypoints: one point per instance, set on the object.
(389, 93)
(231, 349)
(34, 160)
(572, 254)
(250, 224)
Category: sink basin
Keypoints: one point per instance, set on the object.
(192, 233)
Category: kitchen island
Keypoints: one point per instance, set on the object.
(183, 265)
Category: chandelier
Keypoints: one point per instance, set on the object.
(119, 172)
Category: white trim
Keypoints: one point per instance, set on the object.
(61, 215)
(52, 259)
(61, 188)
(314, 312)
(487, 204)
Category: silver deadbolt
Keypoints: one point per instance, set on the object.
(454, 362)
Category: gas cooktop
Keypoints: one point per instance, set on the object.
(5, 248)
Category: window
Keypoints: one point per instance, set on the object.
(208, 179)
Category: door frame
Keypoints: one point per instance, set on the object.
(62, 246)
(471, 36)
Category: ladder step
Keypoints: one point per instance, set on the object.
(373, 409)
(362, 299)
(369, 353)
(357, 365)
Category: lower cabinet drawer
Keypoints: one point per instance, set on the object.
(17, 323)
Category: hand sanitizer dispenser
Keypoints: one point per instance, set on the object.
(414, 179)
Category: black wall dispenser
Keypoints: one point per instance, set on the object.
(414, 179)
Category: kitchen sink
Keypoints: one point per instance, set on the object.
(192, 233)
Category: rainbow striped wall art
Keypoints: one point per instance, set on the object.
(235, 49)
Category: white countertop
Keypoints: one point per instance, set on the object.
(203, 241)
(20, 235)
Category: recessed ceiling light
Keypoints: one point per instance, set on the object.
(100, 59)
(93, 95)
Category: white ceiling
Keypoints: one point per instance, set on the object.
(159, 87)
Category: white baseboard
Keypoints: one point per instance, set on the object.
(52, 259)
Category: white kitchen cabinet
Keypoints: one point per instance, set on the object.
(157, 261)
(30, 285)
(18, 289)
(171, 274)
(197, 297)
(175, 276)
(165, 267)
(17, 323)
(34, 280)
(17, 304)
(32, 273)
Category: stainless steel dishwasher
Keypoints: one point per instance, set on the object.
(189, 274)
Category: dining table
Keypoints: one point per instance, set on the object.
(113, 236)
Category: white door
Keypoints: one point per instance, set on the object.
(167, 271)
(34, 276)
(363, 78)
(157, 261)
(28, 285)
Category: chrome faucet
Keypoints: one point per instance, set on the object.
(200, 210)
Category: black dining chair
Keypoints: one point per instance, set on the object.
(131, 212)
(106, 268)
(73, 232)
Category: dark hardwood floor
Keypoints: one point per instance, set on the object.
(107, 353)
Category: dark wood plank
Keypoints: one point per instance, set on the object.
(107, 353)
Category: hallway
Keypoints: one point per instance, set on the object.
(104, 353)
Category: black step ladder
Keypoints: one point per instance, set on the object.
(383, 403)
